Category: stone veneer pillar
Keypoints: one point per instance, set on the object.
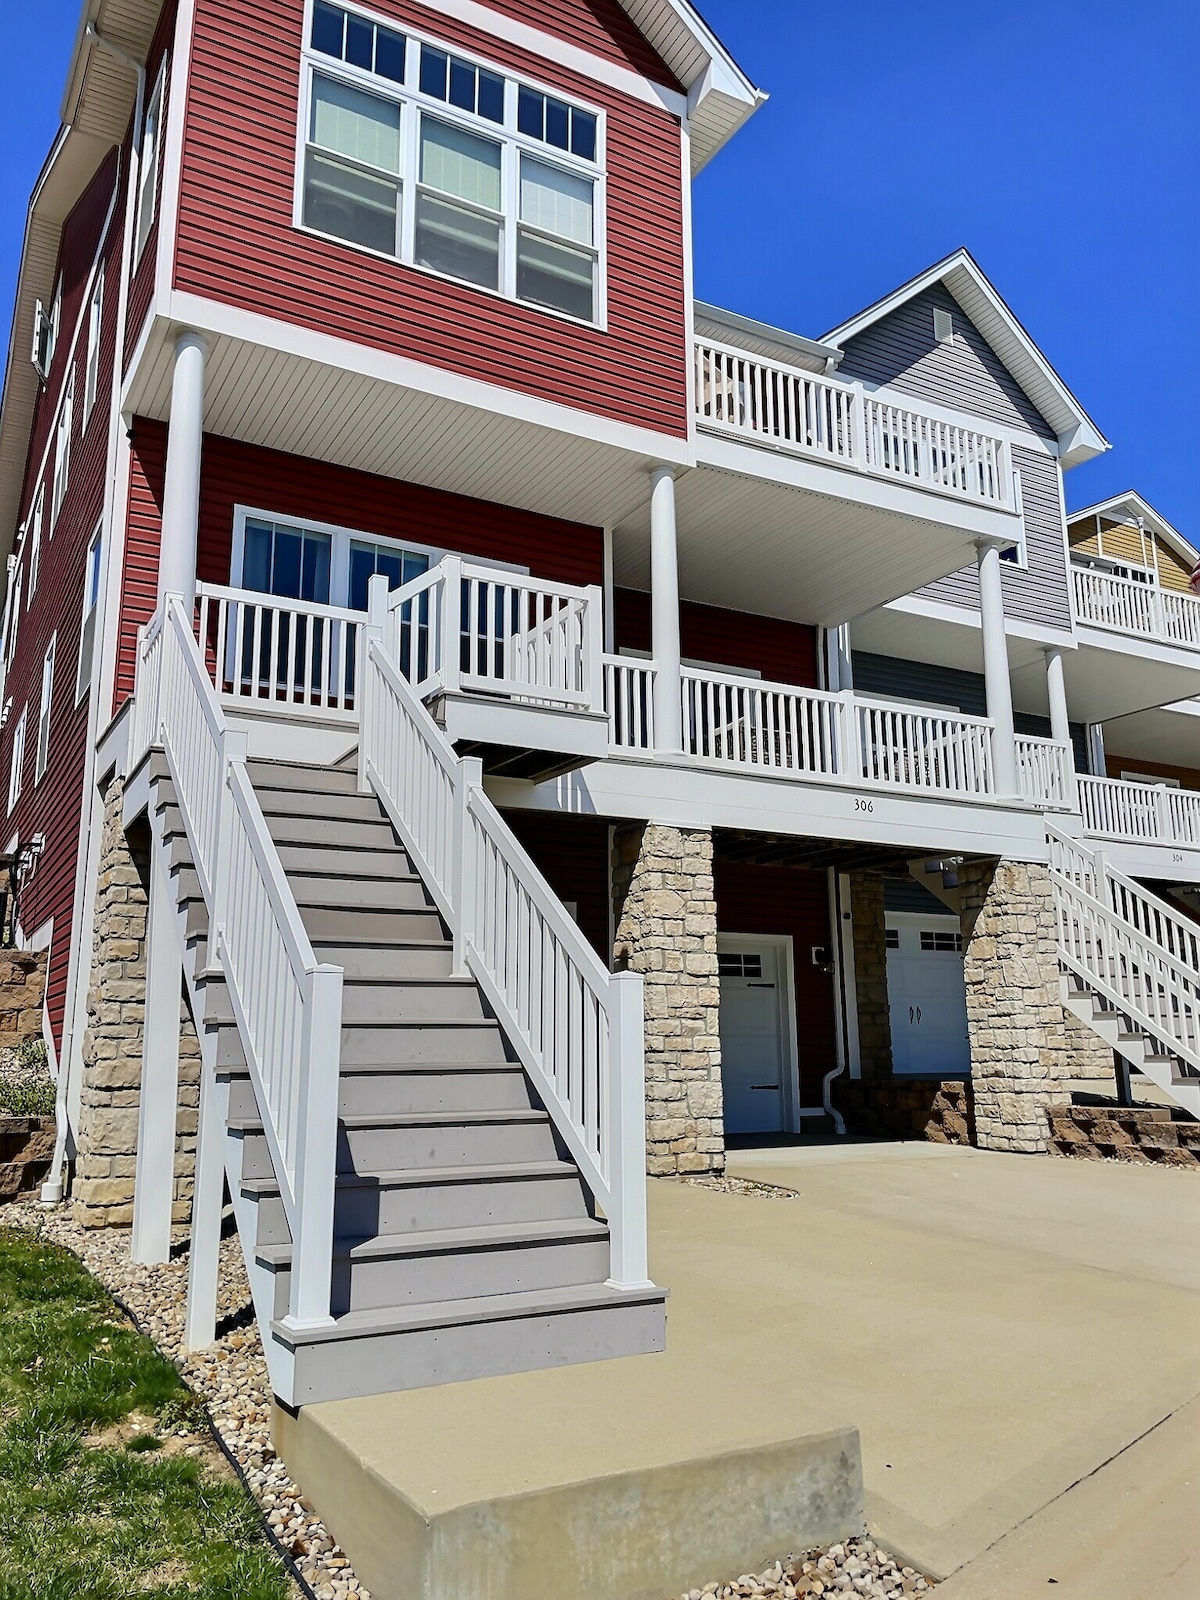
(666, 921)
(870, 974)
(1020, 1055)
(106, 1138)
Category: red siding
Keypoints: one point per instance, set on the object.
(600, 26)
(236, 242)
(289, 486)
(54, 806)
(784, 652)
(788, 900)
(141, 285)
(572, 854)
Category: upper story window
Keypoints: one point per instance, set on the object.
(62, 451)
(16, 771)
(91, 605)
(449, 165)
(42, 754)
(91, 374)
(147, 204)
(45, 332)
(12, 613)
(35, 545)
(322, 564)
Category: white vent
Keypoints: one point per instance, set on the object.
(943, 326)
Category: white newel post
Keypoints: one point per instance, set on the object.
(450, 625)
(154, 1183)
(181, 489)
(997, 685)
(309, 1301)
(626, 1116)
(464, 887)
(593, 647)
(373, 633)
(664, 613)
(204, 1254)
(1060, 721)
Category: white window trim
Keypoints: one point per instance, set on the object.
(91, 371)
(34, 527)
(62, 449)
(339, 555)
(16, 771)
(147, 200)
(1021, 543)
(45, 712)
(87, 634)
(13, 613)
(513, 144)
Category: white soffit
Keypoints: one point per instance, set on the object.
(1128, 507)
(1078, 437)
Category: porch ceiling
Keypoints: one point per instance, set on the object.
(1111, 676)
(816, 552)
(1168, 734)
(783, 850)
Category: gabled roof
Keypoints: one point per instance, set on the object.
(1079, 439)
(1129, 507)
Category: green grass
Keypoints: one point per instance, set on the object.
(81, 1522)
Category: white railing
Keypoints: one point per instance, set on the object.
(746, 722)
(271, 653)
(1140, 812)
(1129, 946)
(913, 749)
(748, 396)
(474, 628)
(577, 1029)
(629, 701)
(1105, 600)
(288, 1006)
(1045, 771)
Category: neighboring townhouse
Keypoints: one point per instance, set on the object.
(511, 705)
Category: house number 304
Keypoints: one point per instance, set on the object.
(864, 805)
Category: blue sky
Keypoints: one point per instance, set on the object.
(1057, 139)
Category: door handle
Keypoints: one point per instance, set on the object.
(774, 1087)
(918, 1013)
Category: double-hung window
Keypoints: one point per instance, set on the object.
(91, 371)
(148, 164)
(91, 606)
(42, 757)
(62, 451)
(16, 772)
(444, 163)
(34, 535)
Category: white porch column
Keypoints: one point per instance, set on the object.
(181, 491)
(995, 669)
(154, 1183)
(1056, 690)
(664, 611)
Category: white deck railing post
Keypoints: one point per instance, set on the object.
(463, 887)
(627, 1132)
(373, 633)
(448, 627)
(858, 426)
(233, 748)
(1162, 814)
(849, 756)
(316, 1157)
(593, 648)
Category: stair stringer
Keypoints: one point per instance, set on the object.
(193, 950)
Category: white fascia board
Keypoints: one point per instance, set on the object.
(826, 356)
(1164, 863)
(189, 311)
(1137, 646)
(1037, 633)
(1132, 502)
(689, 794)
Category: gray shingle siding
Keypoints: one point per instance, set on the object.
(901, 351)
(1039, 593)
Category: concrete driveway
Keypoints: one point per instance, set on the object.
(999, 1328)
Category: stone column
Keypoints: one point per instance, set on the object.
(666, 921)
(1020, 1056)
(870, 975)
(106, 1138)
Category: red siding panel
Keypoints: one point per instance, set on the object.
(289, 486)
(54, 806)
(572, 854)
(783, 652)
(600, 26)
(788, 900)
(236, 242)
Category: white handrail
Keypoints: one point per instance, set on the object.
(1129, 946)
(1045, 771)
(747, 395)
(269, 652)
(287, 1005)
(1140, 812)
(576, 1028)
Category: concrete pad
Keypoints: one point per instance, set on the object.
(999, 1326)
(1127, 1532)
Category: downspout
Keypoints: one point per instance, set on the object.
(52, 1189)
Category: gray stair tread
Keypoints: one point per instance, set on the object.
(397, 1069)
(421, 1177)
(487, 1308)
(410, 1119)
(448, 1241)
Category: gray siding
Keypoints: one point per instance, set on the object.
(1039, 593)
(901, 351)
(948, 686)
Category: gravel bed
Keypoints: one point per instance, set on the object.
(728, 1185)
(231, 1377)
(24, 1068)
(857, 1567)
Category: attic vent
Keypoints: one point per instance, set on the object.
(943, 326)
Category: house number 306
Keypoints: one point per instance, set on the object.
(864, 805)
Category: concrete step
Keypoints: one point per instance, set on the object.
(393, 1271)
(424, 1199)
(371, 1352)
(401, 1091)
(300, 776)
(372, 1144)
(390, 1004)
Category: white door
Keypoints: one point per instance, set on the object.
(927, 995)
(752, 1055)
